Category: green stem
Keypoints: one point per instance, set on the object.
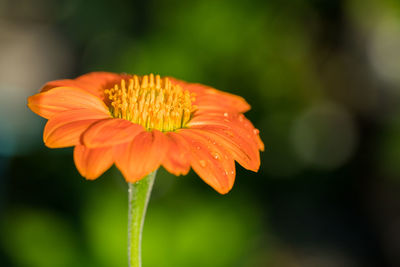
(139, 195)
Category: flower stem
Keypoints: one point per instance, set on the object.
(139, 195)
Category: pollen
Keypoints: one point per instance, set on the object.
(151, 101)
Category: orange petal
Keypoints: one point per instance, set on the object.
(94, 82)
(230, 121)
(92, 162)
(110, 132)
(246, 123)
(208, 98)
(215, 100)
(65, 128)
(141, 156)
(177, 161)
(60, 99)
(60, 83)
(240, 149)
(211, 162)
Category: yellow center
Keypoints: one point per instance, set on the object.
(152, 102)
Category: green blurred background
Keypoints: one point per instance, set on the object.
(323, 79)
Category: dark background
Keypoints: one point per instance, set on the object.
(323, 79)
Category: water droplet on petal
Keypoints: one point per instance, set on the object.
(198, 147)
(230, 133)
(216, 155)
(203, 163)
(232, 172)
(226, 114)
(256, 131)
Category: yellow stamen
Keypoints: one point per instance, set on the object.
(152, 102)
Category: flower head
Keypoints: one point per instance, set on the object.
(142, 122)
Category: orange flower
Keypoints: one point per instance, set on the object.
(142, 122)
